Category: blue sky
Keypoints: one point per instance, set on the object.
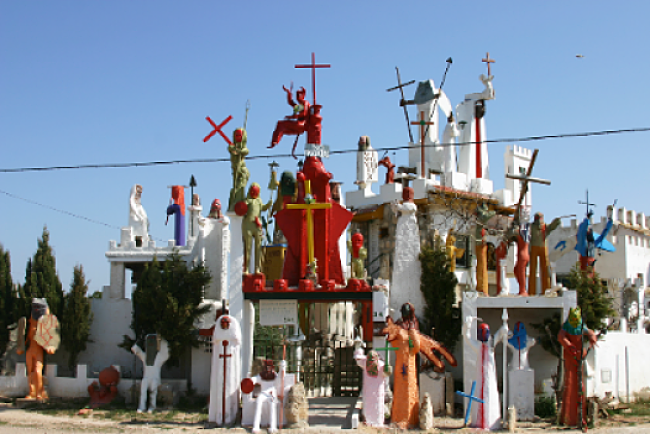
(124, 81)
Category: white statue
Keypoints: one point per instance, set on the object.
(151, 377)
(367, 165)
(520, 344)
(226, 365)
(449, 143)
(266, 386)
(138, 220)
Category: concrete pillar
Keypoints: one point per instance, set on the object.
(117, 280)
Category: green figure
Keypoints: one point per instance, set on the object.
(240, 174)
(251, 226)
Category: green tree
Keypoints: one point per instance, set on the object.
(8, 300)
(438, 285)
(75, 330)
(593, 299)
(41, 280)
(166, 301)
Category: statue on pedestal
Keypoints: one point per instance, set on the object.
(240, 174)
(483, 214)
(138, 220)
(296, 123)
(152, 361)
(267, 386)
(538, 233)
(225, 375)
(251, 209)
(359, 255)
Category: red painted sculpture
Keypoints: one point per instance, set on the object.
(106, 390)
(390, 174)
(296, 123)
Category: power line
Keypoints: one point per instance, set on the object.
(343, 151)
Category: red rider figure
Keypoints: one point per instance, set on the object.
(295, 124)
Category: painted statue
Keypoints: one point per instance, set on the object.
(452, 251)
(240, 174)
(486, 415)
(359, 255)
(43, 337)
(588, 241)
(215, 210)
(521, 235)
(252, 227)
(520, 344)
(225, 375)
(138, 220)
(296, 123)
(177, 209)
(449, 136)
(483, 214)
(390, 169)
(195, 215)
(501, 254)
(267, 386)
(374, 372)
(570, 337)
(104, 391)
(151, 376)
(538, 233)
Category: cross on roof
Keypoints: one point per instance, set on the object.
(313, 67)
(423, 131)
(586, 202)
(401, 87)
(488, 61)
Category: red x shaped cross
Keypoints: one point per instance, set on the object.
(217, 129)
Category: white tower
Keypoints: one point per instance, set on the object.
(516, 162)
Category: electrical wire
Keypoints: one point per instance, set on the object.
(337, 152)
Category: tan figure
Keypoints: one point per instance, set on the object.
(240, 174)
(539, 231)
(359, 255)
(252, 226)
(43, 336)
(452, 251)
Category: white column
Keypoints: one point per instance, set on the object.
(235, 293)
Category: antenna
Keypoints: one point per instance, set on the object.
(248, 106)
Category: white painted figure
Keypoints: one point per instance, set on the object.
(520, 344)
(225, 357)
(266, 387)
(367, 165)
(374, 371)
(521, 378)
(448, 140)
(151, 376)
(138, 220)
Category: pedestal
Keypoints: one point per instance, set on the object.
(436, 386)
(521, 393)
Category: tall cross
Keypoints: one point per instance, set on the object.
(471, 398)
(224, 356)
(488, 61)
(422, 123)
(526, 179)
(401, 87)
(587, 203)
(313, 67)
(309, 205)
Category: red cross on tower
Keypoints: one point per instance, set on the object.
(313, 67)
(422, 123)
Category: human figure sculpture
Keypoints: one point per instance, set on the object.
(538, 233)
(268, 387)
(215, 210)
(359, 255)
(521, 235)
(138, 220)
(520, 344)
(296, 123)
(501, 253)
(570, 337)
(448, 141)
(483, 214)
(225, 375)
(177, 209)
(486, 415)
(104, 391)
(375, 371)
(43, 337)
(240, 174)
(252, 226)
(588, 242)
(390, 169)
(151, 375)
(452, 251)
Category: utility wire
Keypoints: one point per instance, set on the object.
(343, 151)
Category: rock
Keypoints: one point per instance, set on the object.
(296, 407)
(426, 413)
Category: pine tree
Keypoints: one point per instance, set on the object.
(41, 280)
(593, 299)
(8, 300)
(75, 330)
(166, 301)
(438, 285)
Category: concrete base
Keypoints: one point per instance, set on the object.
(521, 393)
(436, 386)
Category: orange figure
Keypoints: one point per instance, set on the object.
(538, 233)
(42, 335)
(106, 390)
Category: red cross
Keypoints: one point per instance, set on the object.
(217, 129)
(423, 132)
(488, 61)
(313, 67)
(224, 356)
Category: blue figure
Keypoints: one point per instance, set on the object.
(177, 208)
(588, 241)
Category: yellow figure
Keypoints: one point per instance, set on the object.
(452, 251)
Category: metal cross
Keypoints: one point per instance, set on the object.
(488, 61)
(313, 67)
(422, 123)
(224, 356)
(471, 398)
(401, 87)
(217, 129)
(587, 203)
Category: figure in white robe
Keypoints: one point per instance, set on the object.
(151, 374)
(487, 415)
(406, 263)
(267, 387)
(138, 220)
(226, 330)
(449, 142)
(374, 372)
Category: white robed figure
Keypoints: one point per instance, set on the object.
(374, 372)
(487, 415)
(226, 330)
(138, 220)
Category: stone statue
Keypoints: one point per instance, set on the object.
(225, 375)
(151, 376)
(538, 233)
(252, 226)
(359, 255)
(296, 407)
(138, 220)
(43, 336)
(268, 384)
(374, 371)
(426, 413)
(240, 174)
(483, 214)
